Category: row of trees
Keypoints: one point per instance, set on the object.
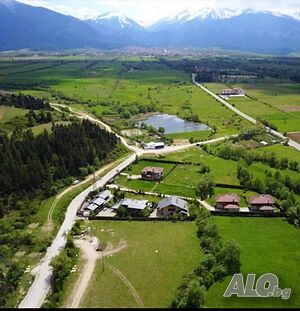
(219, 261)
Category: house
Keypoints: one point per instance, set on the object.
(153, 146)
(132, 204)
(172, 205)
(263, 203)
(152, 173)
(228, 202)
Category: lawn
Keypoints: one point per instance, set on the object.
(136, 169)
(154, 275)
(269, 245)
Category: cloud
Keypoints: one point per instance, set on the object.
(147, 11)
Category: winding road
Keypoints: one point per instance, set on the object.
(291, 143)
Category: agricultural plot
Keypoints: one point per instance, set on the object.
(278, 103)
(152, 254)
(268, 245)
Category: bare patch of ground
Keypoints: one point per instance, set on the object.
(179, 142)
(291, 108)
(294, 136)
(48, 227)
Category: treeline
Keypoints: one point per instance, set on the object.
(280, 68)
(23, 101)
(30, 163)
(220, 260)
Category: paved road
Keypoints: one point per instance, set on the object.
(41, 285)
(291, 143)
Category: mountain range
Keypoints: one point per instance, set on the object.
(27, 27)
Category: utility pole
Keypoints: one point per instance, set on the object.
(102, 257)
(94, 181)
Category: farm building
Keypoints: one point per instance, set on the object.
(152, 145)
(152, 173)
(172, 205)
(228, 202)
(262, 203)
(233, 92)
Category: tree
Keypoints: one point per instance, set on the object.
(161, 130)
(191, 294)
(293, 215)
(230, 257)
(205, 187)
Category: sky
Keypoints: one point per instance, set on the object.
(147, 12)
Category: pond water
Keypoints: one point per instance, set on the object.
(173, 124)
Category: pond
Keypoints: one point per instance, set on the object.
(173, 124)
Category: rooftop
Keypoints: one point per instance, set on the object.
(153, 169)
(262, 199)
(173, 200)
(228, 198)
(134, 204)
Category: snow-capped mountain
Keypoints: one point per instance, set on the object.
(119, 27)
(24, 26)
(247, 30)
(114, 17)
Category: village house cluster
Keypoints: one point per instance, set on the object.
(230, 202)
(106, 204)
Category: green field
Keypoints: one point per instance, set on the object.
(102, 86)
(269, 245)
(154, 275)
(9, 113)
(282, 152)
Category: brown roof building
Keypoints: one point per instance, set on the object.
(263, 203)
(152, 173)
(228, 202)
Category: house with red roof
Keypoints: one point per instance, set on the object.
(228, 202)
(262, 203)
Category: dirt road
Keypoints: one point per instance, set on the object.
(90, 256)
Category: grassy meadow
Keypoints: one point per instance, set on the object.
(268, 245)
(154, 262)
